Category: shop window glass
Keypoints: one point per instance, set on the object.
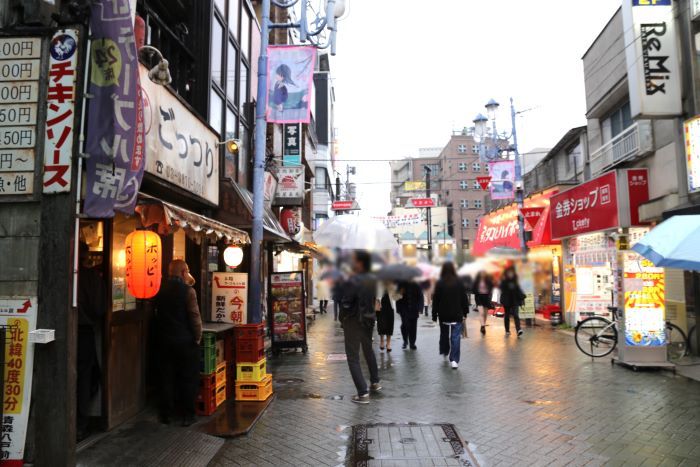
(221, 5)
(230, 161)
(217, 41)
(216, 107)
(122, 300)
(231, 62)
(233, 17)
(245, 33)
(243, 95)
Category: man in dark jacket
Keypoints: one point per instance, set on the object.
(409, 307)
(451, 305)
(357, 316)
(512, 298)
(179, 330)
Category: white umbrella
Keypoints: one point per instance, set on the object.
(349, 232)
(471, 269)
(505, 252)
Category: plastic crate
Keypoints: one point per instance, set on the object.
(231, 380)
(220, 374)
(252, 356)
(254, 391)
(249, 331)
(208, 339)
(252, 344)
(251, 371)
(229, 347)
(206, 401)
(207, 360)
(220, 351)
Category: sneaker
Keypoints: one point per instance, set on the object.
(405, 346)
(520, 332)
(507, 333)
(375, 387)
(483, 330)
(363, 399)
(413, 347)
(454, 365)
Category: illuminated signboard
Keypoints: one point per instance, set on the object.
(644, 286)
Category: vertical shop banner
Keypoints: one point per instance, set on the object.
(502, 179)
(291, 154)
(290, 72)
(115, 139)
(651, 51)
(18, 318)
(691, 134)
(229, 291)
(287, 297)
(645, 295)
(638, 190)
(60, 111)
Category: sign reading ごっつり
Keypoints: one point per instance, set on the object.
(229, 291)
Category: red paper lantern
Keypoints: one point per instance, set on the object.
(143, 263)
(290, 218)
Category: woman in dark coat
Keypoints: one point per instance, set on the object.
(450, 305)
(385, 319)
(512, 298)
(482, 290)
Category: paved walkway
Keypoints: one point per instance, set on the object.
(533, 401)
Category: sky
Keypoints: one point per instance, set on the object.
(409, 72)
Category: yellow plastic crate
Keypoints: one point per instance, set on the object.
(221, 394)
(220, 374)
(251, 371)
(254, 390)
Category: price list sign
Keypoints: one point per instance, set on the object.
(20, 62)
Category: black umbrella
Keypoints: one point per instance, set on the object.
(398, 272)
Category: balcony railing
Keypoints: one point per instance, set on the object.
(634, 142)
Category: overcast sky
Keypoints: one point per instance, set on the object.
(409, 72)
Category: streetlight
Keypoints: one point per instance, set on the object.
(334, 9)
(490, 149)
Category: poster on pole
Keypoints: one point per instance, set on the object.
(290, 72)
(229, 291)
(18, 319)
(502, 179)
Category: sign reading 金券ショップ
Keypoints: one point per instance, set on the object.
(18, 318)
(652, 58)
(181, 149)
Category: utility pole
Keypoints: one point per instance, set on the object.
(428, 216)
(519, 189)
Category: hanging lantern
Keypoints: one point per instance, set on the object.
(290, 218)
(143, 263)
(233, 256)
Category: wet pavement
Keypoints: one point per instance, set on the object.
(529, 401)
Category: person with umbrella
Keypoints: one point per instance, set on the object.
(450, 305)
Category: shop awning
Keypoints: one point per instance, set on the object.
(170, 218)
(237, 203)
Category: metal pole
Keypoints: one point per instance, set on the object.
(256, 292)
(519, 195)
(429, 217)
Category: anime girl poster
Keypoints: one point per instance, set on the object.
(290, 72)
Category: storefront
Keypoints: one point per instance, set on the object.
(598, 222)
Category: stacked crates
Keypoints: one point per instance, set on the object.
(212, 378)
(252, 381)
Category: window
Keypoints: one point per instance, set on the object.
(216, 108)
(217, 39)
(230, 163)
(231, 62)
(476, 185)
(573, 159)
(477, 204)
(221, 5)
(245, 33)
(462, 166)
(617, 122)
(476, 167)
(486, 168)
(477, 223)
(321, 178)
(243, 96)
(233, 17)
(475, 149)
(462, 149)
(463, 185)
(465, 223)
(464, 203)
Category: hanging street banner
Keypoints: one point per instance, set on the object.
(18, 317)
(290, 72)
(532, 215)
(414, 185)
(651, 51)
(400, 220)
(291, 155)
(502, 179)
(115, 141)
(349, 205)
(60, 111)
(484, 182)
(421, 203)
(229, 291)
(692, 152)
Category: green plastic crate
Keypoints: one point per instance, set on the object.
(207, 360)
(209, 339)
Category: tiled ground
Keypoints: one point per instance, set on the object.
(534, 401)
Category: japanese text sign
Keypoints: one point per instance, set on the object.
(692, 152)
(292, 144)
(115, 140)
(484, 181)
(532, 215)
(181, 149)
(645, 299)
(229, 291)
(421, 203)
(18, 317)
(638, 190)
(60, 111)
(290, 189)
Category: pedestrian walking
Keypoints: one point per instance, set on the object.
(483, 288)
(323, 295)
(337, 295)
(179, 332)
(409, 307)
(512, 298)
(357, 316)
(450, 306)
(385, 316)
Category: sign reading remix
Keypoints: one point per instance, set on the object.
(19, 97)
(651, 51)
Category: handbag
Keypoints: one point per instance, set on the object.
(496, 295)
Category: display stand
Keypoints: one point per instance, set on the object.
(287, 311)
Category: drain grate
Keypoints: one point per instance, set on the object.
(408, 443)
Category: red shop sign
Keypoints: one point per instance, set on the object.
(532, 215)
(638, 186)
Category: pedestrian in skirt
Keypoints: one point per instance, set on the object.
(385, 316)
(483, 289)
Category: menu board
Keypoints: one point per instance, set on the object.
(288, 312)
(644, 286)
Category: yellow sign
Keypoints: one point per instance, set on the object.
(15, 360)
(414, 185)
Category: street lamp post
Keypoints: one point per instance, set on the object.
(334, 9)
(490, 150)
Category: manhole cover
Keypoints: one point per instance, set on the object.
(435, 444)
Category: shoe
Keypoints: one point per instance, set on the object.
(405, 346)
(363, 399)
(375, 387)
(520, 332)
(483, 330)
(188, 421)
(381, 348)
(507, 333)
(454, 365)
(413, 347)
(388, 349)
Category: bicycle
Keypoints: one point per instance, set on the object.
(597, 337)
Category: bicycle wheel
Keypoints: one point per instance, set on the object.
(596, 336)
(676, 342)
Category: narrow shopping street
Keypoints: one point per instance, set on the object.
(529, 401)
